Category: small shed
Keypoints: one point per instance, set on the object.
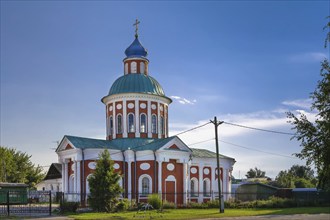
(17, 193)
(254, 191)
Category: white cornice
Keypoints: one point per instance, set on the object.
(135, 96)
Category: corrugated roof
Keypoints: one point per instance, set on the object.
(136, 144)
(207, 154)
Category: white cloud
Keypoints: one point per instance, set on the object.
(183, 101)
(308, 57)
(300, 103)
(259, 142)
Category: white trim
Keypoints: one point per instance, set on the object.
(149, 119)
(137, 118)
(125, 130)
(140, 184)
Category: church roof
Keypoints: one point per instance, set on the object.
(135, 144)
(136, 49)
(136, 83)
(206, 153)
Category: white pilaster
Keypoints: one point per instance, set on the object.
(114, 121)
(137, 119)
(63, 177)
(188, 183)
(66, 180)
(149, 118)
(225, 183)
(200, 183)
(185, 181)
(78, 177)
(160, 163)
(129, 180)
(124, 120)
(158, 117)
(75, 176)
(165, 121)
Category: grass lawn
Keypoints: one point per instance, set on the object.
(200, 213)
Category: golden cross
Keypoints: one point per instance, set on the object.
(136, 26)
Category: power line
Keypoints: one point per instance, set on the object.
(258, 129)
(191, 129)
(249, 148)
(200, 142)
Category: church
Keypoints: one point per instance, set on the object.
(146, 157)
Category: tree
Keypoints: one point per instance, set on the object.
(103, 183)
(314, 137)
(296, 177)
(255, 173)
(16, 167)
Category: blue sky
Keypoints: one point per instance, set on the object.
(246, 62)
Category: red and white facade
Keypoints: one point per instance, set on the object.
(148, 160)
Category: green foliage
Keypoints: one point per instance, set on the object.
(303, 183)
(122, 205)
(255, 173)
(103, 183)
(168, 205)
(272, 202)
(155, 201)
(69, 206)
(314, 137)
(16, 167)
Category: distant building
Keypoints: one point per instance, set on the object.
(53, 179)
(251, 191)
(149, 161)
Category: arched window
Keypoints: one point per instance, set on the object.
(161, 125)
(143, 123)
(206, 187)
(145, 185)
(126, 68)
(142, 67)
(133, 67)
(154, 124)
(111, 125)
(119, 124)
(193, 187)
(131, 127)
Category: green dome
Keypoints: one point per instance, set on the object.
(136, 83)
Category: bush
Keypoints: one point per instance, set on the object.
(69, 206)
(168, 205)
(155, 201)
(122, 205)
(213, 204)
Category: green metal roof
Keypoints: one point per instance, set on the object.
(135, 144)
(206, 153)
(136, 83)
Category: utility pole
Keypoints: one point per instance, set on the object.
(216, 124)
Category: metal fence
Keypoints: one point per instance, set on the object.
(27, 203)
(182, 199)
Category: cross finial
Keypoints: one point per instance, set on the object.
(137, 22)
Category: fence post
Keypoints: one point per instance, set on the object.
(50, 202)
(8, 209)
